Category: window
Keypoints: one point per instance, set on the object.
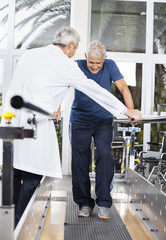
(36, 23)
(160, 85)
(159, 38)
(119, 25)
(3, 23)
(159, 101)
(132, 73)
(1, 78)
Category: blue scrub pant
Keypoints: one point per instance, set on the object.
(81, 135)
(25, 184)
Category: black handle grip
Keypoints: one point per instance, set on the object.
(18, 102)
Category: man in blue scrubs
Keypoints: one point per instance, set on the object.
(88, 119)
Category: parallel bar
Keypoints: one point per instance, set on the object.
(143, 120)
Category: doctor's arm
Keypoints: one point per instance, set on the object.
(103, 97)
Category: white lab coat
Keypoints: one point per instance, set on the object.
(43, 77)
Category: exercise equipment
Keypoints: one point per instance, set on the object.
(128, 155)
(8, 134)
(157, 169)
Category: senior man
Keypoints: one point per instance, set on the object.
(89, 119)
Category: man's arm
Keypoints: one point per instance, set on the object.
(78, 80)
(123, 88)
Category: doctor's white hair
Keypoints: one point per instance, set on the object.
(96, 49)
(66, 35)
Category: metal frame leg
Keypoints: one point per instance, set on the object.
(7, 209)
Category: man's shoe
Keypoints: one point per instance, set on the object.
(85, 211)
(103, 212)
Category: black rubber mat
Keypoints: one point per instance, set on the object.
(93, 228)
(72, 218)
(93, 232)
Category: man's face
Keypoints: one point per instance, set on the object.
(94, 64)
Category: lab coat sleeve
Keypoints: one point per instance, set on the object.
(103, 97)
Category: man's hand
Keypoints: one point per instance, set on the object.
(133, 114)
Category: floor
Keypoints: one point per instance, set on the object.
(54, 224)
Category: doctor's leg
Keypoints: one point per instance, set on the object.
(17, 186)
(29, 184)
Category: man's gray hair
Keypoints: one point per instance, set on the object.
(66, 35)
(96, 49)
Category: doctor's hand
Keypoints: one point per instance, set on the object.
(133, 114)
(57, 115)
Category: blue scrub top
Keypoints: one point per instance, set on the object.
(86, 110)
